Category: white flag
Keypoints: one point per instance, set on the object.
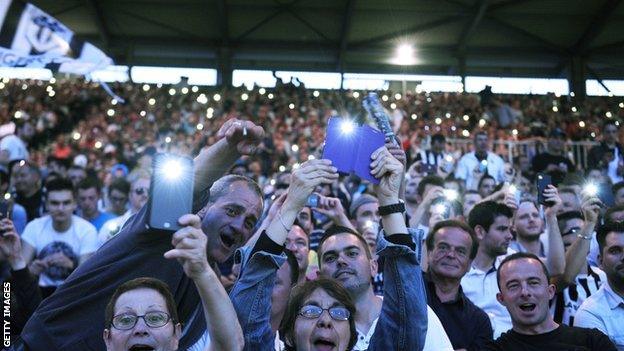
(41, 41)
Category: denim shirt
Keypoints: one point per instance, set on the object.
(402, 324)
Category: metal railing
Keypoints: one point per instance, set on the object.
(510, 149)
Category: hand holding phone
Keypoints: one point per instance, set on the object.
(543, 181)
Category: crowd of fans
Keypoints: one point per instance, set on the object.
(454, 249)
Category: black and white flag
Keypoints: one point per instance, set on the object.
(32, 38)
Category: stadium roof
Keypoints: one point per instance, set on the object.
(537, 38)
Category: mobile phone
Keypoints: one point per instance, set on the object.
(171, 191)
(543, 181)
(313, 200)
(6, 211)
(427, 168)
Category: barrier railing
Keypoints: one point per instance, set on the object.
(510, 149)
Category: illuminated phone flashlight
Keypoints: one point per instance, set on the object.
(513, 189)
(171, 169)
(368, 224)
(347, 127)
(448, 158)
(441, 209)
(590, 189)
(450, 194)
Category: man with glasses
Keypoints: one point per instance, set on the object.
(142, 313)
(609, 155)
(118, 192)
(139, 193)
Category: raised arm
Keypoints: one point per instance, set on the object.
(555, 260)
(402, 324)
(251, 294)
(190, 250)
(236, 138)
(576, 256)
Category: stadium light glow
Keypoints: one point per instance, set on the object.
(404, 55)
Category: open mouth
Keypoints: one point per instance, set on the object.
(324, 345)
(227, 240)
(528, 307)
(140, 347)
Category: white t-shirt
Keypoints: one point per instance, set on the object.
(80, 239)
(435, 339)
(15, 146)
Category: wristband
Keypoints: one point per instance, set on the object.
(389, 209)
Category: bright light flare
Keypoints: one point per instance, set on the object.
(450, 194)
(347, 127)
(590, 189)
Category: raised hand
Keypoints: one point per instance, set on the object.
(591, 208)
(389, 171)
(190, 247)
(245, 135)
(11, 245)
(551, 195)
(306, 178)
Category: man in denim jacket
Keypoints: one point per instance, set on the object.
(402, 316)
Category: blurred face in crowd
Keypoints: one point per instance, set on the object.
(411, 189)
(556, 144)
(118, 201)
(612, 258)
(470, 200)
(450, 255)
(525, 291)
(305, 219)
(524, 164)
(364, 213)
(570, 202)
(452, 185)
(229, 220)
(569, 230)
(486, 187)
(298, 243)
(495, 241)
(481, 143)
(343, 257)
(527, 222)
(87, 202)
(370, 235)
(617, 216)
(60, 205)
(524, 185)
(138, 302)
(139, 193)
(619, 197)
(25, 180)
(76, 175)
(610, 134)
(308, 331)
(437, 146)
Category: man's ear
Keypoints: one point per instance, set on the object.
(374, 267)
(204, 210)
(500, 299)
(480, 232)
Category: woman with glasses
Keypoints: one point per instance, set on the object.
(320, 315)
(142, 313)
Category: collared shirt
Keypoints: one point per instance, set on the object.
(603, 310)
(481, 288)
(467, 326)
(468, 163)
(435, 340)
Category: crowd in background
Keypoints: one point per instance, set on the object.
(71, 136)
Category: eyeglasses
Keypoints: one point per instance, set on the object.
(127, 321)
(141, 191)
(337, 313)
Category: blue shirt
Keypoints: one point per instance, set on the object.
(100, 219)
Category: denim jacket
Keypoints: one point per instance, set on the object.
(402, 324)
